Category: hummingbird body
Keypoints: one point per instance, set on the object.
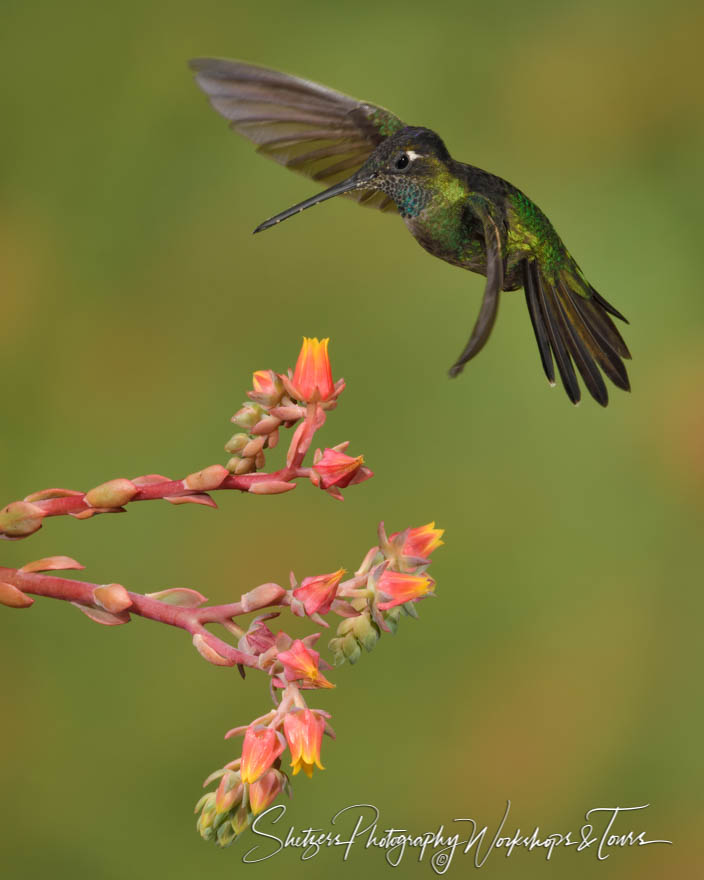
(457, 212)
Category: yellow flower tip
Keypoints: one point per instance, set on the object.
(306, 766)
(322, 682)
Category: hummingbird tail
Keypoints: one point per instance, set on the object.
(571, 322)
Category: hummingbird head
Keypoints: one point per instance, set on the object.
(404, 166)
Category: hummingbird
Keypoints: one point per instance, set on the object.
(457, 212)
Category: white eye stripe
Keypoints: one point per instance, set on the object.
(412, 155)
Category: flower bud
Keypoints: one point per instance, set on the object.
(244, 466)
(112, 597)
(13, 597)
(253, 447)
(266, 425)
(20, 519)
(114, 493)
(351, 649)
(229, 792)
(248, 415)
(209, 478)
(268, 389)
(236, 443)
(233, 464)
(265, 790)
(261, 596)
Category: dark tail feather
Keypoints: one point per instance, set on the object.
(607, 305)
(600, 348)
(539, 328)
(550, 314)
(578, 330)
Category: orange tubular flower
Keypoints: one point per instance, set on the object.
(304, 732)
(262, 746)
(422, 540)
(265, 790)
(400, 587)
(317, 593)
(312, 378)
(301, 663)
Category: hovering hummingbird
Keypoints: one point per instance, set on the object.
(457, 212)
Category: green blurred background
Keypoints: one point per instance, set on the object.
(559, 665)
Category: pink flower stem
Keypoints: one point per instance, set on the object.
(190, 619)
(72, 504)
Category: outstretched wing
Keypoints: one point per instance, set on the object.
(309, 128)
(495, 249)
(571, 321)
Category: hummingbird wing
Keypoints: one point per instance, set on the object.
(495, 249)
(571, 321)
(309, 128)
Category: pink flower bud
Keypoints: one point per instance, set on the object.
(229, 792)
(304, 733)
(265, 790)
(112, 597)
(261, 747)
(258, 638)
(301, 664)
(268, 388)
(317, 593)
(261, 596)
(400, 587)
(253, 447)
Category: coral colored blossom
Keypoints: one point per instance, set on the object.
(337, 469)
(301, 663)
(304, 732)
(262, 746)
(317, 593)
(312, 378)
(400, 587)
(264, 382)
(265, 790)
(422, 540)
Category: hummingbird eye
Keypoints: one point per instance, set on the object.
(402, 161)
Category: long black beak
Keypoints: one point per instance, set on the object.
(356, 181)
